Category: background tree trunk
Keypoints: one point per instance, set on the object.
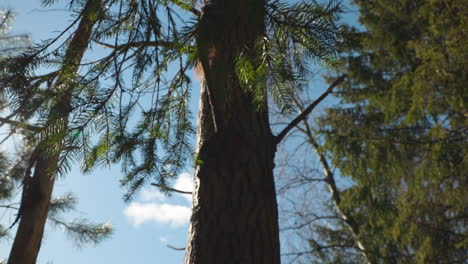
(38, 188)
(235, 217)
(34, 213)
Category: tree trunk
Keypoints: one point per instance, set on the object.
(37, 190)
(34, 213)
(235, 217)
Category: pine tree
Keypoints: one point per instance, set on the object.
(44, 153)
(13, 167)
(402, 135)
(9, 45)
(246, 51)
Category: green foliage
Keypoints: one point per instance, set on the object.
(103, 122)
(84, 232)
(81, 230)
(62, 204)
(155, 145)
(298, 34)
(402, 135)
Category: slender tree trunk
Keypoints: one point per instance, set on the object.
(235, 217)
(34, 214)
(37, 190)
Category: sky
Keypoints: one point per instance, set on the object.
(143, 227)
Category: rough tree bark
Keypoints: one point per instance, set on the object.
(37, 188)
(234, 201)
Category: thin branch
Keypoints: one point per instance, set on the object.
(308, 222)
(58, 37)
(170, 189)
(7, 137)
(10, 122)
(11, 115)
(17, 124)
(138, 44)
(308, 110)
(45, 76)
(192, 10)
(48, 10)
(9, 206)
(316, 249)
(175, 248)
(352, 224)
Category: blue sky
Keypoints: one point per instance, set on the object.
(144, 226)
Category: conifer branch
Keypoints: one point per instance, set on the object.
(186, 8)
(11, 115)
(17, 124)
(308, 110)
(46, 76)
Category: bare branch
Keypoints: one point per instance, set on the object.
(316, 249)
(308, 110)
(175, 248)
(352, 224)
(9, 206)
(308, 222)
(12, 132)
(48, 10)
(170, 189)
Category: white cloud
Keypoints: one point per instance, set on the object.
(185, 183)
(174, 215)
(152, 195)
(163, 239)
(154, 206)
